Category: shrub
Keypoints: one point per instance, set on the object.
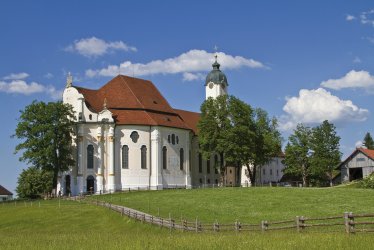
(368, 182)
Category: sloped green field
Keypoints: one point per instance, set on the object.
(74, 225)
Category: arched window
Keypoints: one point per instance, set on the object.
(90, 156)
(173, 139)
(208, 166)
(164, 157)
(143, 157)
(181, 158)
(125, 157)
(200, 163)
(168, 138)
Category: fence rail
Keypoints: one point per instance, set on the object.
(348, 221)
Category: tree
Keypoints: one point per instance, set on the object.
(267, 142)
(34, 182)
(298, 153)
(326, 154)
(212, 126)
(239, 134)
(368, 141)
(46, 131)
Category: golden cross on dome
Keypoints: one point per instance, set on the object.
(216, 53)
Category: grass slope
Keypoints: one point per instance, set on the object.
(74, 225)
(249, 205)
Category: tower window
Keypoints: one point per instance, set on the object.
(173, 139)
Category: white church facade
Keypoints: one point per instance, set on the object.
(128, 136)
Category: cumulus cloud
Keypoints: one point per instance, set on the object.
(193, 76)
(353, 79)
(94, 47)
(48, 75)
(367, 17)
(315, 106)
(350, 18)
(358, 144)
(24, 88)
(16, 76)
(190, 62)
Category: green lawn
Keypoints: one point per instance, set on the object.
(249, 205)
(74, 225)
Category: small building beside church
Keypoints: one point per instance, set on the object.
(128, 136)
(357, 166)
(5, 194)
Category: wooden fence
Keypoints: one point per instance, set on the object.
(348, 221)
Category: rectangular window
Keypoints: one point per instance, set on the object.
(90, 156)
(277, 172)
(181, 158)
(263, 171)
(271, 171)
(208, 166)
(360, 159)
(143, 158)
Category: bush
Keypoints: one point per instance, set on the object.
(368, 182)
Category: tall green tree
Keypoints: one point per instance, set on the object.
(298, 154)
(240, 135)
(267, 142)
(213, 126)
(368, 141)
(45, 131)
(34, 182)
(326, 154)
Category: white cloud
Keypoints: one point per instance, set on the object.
(358, 144)
(367, 17)
(193, 76)
(94, 47)
(24, 88)
(16, 76)
(315, 106)
(353, 79)
(189, 62)
(350, 18)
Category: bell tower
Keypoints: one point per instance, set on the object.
(216, 82)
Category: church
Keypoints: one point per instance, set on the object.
(128, 136)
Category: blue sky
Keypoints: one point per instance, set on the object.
(302, 61)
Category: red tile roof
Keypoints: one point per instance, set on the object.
(134, 101)
(4, 191)
(367, 152)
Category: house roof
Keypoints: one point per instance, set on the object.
(4, 191)
(135, 101)
(368, 152)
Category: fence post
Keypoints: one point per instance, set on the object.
(351, 222)
(346, 222)
(196, 225)
(122, 211)
(297, 221)
(264, 225)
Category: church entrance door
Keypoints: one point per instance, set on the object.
(90, 184)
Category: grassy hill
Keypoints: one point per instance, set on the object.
(250, 205)
(74, 225)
